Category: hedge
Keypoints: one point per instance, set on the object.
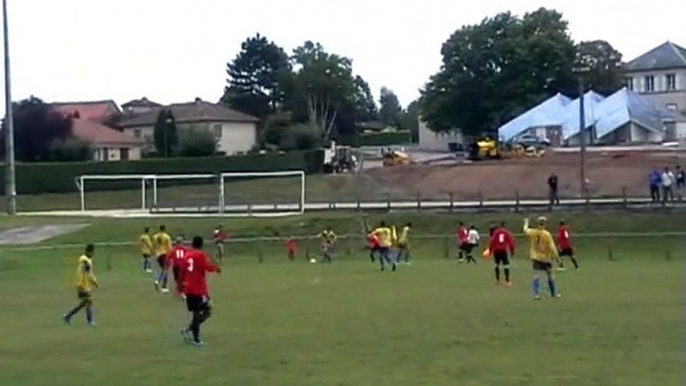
(378, 139)
(37, 178)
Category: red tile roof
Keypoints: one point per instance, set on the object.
(99, 134)
(96, 111)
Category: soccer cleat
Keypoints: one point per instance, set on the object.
(66, 319)
(537, 297)
(508, 284)
(157, 286)
(165, 290)
(199, 343)
(186, 335)
(561, 269)
(148, 270)
(394, 267)
(92, 324)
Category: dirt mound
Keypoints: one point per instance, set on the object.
(608, 175)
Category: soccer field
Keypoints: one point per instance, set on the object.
(436, 322)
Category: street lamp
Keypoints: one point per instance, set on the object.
(582, 127)
(10, 183)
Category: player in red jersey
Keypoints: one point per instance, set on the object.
(374, 246)
(502, 247)
(564, 242)
(196, 264)
(219, 238)
(175, 262)
(463, 241)
(292, 247)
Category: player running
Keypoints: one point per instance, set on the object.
(85, 282)
(463, 244)
(385, 236)
(219, 238)
(146, 249)
(404, 244)
(175, 260)
(502, 247)
(193, 272)
(292, 246)
(328, 238)
(374, 246)
(162, 243)
(472, 242)
(543, 253)
(564, 242)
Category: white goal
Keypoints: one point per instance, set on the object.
(231, 193)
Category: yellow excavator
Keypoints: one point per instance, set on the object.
(484, 148)
(395, 157)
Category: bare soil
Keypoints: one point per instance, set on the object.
(609, 175)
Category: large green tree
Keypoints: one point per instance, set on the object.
(165, 134)
(495, 70)
(321, 88)
(410, 119)
(390, 111)
(255, 77)
(600, 65)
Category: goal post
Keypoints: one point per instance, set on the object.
(229, 193)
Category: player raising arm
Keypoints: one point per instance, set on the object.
(85, 282)
(196, 264)
(543, 252)
(502, 247)
(564, 240)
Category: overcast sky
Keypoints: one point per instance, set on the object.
(176, 50)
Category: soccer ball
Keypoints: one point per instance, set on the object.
(313, 261)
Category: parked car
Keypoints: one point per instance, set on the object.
(529, 140)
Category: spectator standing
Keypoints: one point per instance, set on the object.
(655, 181)
(680, 182)
(667, 185)
(552, 190)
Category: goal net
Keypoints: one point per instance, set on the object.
(248, 193)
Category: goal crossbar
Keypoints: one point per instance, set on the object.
(152, 180)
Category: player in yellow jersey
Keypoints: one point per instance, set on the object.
(146, 249)
(404, 244)
(328, 238)
(162, 243)
(85, 282)
(385, 236)
(543, 254)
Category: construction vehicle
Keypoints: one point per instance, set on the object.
(484, 148)
(395, 157)
(339, 159)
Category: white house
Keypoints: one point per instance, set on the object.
(235, 132)
(439, 142)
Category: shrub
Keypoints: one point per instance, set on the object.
(195, 142)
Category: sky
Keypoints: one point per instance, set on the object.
(176, 50)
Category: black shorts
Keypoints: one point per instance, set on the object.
(83, 295)
(567, 252)
(465, 247)
(402, 246)
(501, 258)
(162, 261)
(196, 303)
(542, 266)
(146, 255)
(176, 273)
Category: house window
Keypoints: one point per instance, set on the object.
(629, 81)
(671, 82)
(672, 106)
(124, 153)
(649, 83)
(137, 133)
(217, 131)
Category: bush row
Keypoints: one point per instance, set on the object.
(377, 139)
(37, 178)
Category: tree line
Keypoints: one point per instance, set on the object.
(307, 97)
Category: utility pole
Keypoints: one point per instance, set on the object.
(10, 183)
(582, 137)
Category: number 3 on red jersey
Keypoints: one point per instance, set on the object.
(190, 265)
(501, 238)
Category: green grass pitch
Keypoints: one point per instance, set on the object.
(436, 322)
